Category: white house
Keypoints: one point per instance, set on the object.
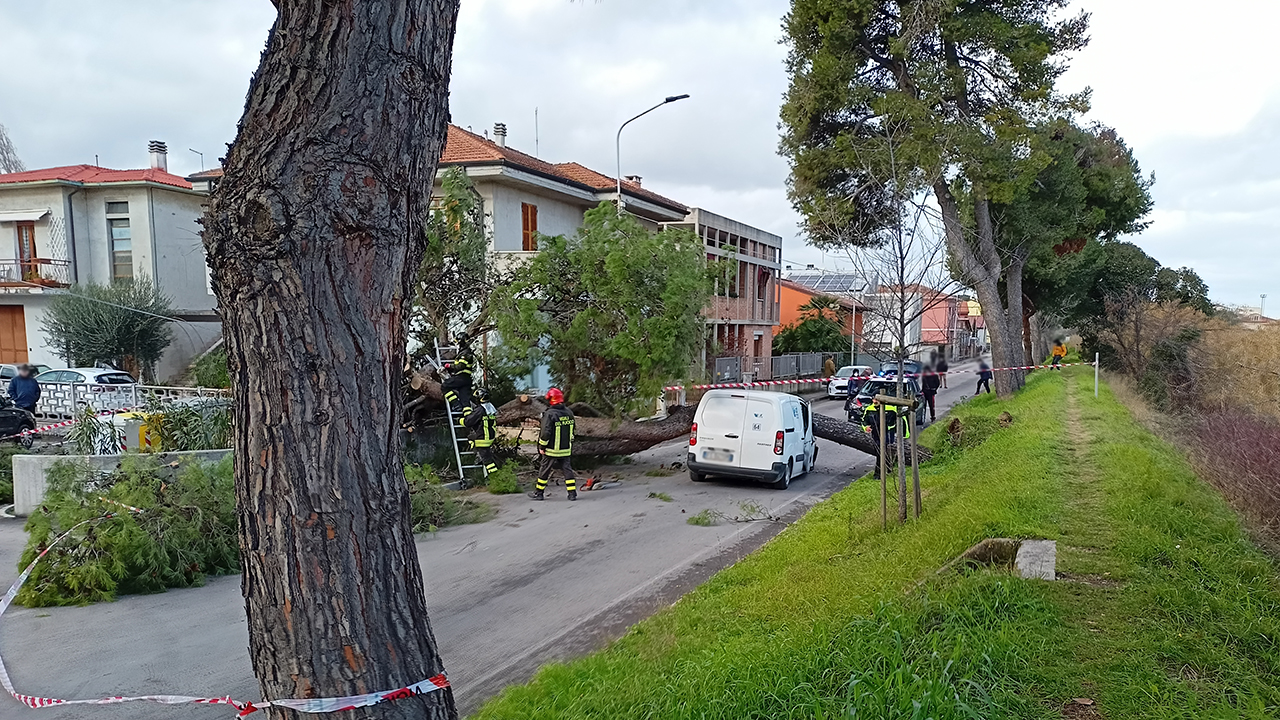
(86, 224)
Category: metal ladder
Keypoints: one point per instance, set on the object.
(458, 452)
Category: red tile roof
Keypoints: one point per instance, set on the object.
(467, 148)
(203, 174)
(92, 174)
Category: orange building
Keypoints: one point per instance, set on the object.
(792, 296)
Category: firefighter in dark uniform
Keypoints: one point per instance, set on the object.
(555, 445)
(482, 427)
(457, 388)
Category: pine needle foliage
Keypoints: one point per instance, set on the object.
(187, 530)
(615, 311)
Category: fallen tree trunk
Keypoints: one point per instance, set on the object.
(851, 435)
(604, 436)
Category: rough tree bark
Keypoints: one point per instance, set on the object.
(982, 268)
(314, 238)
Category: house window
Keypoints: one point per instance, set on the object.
(121, 249)
(529, 227)
(117, 208)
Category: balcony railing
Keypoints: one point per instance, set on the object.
(39, 272)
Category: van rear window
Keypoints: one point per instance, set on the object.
(720, 411)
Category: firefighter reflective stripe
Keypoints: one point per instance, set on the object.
(488, 431)
(556, 439)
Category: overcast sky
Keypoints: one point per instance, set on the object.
(1196, 93)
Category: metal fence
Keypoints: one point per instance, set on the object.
(62, 401)
(804, 365)
(728, 370)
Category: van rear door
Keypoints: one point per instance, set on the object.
(720, 421)
(759, 432)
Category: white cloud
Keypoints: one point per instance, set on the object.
(1193, 90)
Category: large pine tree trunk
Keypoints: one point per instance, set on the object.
(980, 266)
(314, 237)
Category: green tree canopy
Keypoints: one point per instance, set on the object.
(456, 277)
(124, 323)
(1104, 276)
(615, 312)
(1091, 190)
(889, 98)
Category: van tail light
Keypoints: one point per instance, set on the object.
(777, 443)
(693, 439)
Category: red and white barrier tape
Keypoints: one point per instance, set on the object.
(65, 423)
(306, 705)
(774, 383)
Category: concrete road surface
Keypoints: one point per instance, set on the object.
(542, 581)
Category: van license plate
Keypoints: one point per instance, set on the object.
(717, 455)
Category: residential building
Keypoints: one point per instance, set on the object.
(1251, 318)
(88, 224)
(525, 196)
(792, 296)
(744, 312)
(938, 321)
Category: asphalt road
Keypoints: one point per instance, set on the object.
(541, 582)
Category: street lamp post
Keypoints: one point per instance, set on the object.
(618, 142)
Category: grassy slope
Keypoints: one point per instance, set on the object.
(823, 622)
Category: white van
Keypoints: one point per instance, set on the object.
(760, 435)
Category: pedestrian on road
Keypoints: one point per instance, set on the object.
(984, 377)
(942, 369)
(929, 385)
(482, 429)
(828, 368)
(1059, 353)
(24, 391)
(555, 445)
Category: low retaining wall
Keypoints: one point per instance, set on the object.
(30, 471)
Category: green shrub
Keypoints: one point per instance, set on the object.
(187, 530)
(433, 506)
(504, 481)
(211, 370)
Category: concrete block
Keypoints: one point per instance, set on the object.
(1037, 559)
(30, 472)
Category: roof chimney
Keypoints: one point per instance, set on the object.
(159, 155)
(500, 134)
(633, 179)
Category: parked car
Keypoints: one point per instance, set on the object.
(886, 386)
(14, 420)
(890, 368)
(846, 376)
(93, 376)
(9, 371)
(757, 435)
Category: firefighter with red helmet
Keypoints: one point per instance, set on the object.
(555, 445)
